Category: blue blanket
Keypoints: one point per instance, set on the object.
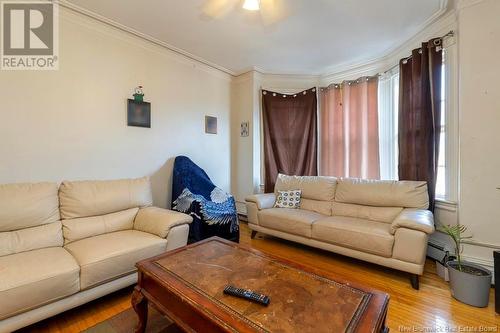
(213, 210)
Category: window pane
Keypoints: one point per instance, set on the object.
(441, 175)
(442, 150)
(443, 112)
(395, 106)
(440, 183)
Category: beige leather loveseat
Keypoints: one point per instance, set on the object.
(62, 247)
(383, 222)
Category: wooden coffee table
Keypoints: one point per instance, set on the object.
(187, 286)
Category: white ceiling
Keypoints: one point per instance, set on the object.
(316, 36)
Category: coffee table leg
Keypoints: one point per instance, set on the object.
(140, 305)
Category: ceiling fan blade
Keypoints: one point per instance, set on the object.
(273, 11)
(218, 8)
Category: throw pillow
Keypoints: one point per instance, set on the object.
(288, 199)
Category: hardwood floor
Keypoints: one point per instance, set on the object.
(410, 310)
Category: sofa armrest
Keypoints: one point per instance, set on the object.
(263, 201)
(159, 221)
(415, 219)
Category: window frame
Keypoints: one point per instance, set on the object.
(386, 96)
(451, 124)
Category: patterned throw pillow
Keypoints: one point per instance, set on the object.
(288, 199)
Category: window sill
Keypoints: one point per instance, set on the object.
(446, 205)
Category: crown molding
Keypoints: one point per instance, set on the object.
(346, 70)
(88, 13)
(444, 18)
(439, 25)
(461, 4)
(244, 77)
(262, 71)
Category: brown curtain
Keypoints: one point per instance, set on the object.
(420, 115)
(349, 129)
(290, 135)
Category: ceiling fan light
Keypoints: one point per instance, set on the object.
(251, 5)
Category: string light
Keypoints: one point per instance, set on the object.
(252, 5)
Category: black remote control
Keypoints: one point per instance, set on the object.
(247, 294)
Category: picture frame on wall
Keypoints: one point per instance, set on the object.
(138, 113)
(210, 125)
(245, 129)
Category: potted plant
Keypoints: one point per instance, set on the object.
(442, 266)
(469, 283)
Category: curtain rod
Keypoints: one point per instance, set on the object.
(450, 33)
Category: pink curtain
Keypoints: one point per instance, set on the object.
(349, 129)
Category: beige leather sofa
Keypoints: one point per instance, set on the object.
(62, 247)
(383, 222)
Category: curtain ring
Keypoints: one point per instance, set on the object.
(264, 92)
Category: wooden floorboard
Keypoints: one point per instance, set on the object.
(410, 310)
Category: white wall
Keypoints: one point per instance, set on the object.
(71, 123)
(479, 91)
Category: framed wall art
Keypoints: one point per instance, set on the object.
(210, 125)
(138, 113)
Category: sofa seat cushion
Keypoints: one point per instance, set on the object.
(358, 234)
(294, 221)
(109, 256)
(34, 278)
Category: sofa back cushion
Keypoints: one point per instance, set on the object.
(317, 191)
(313, 187)
(382, 193)
(322, 207)
(83, 227)
(93, 198)
(29, 217)
(372, 213)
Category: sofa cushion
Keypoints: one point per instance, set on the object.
(288, 199)
(34, 278)
(357, 234)
(92, 198)
(294, 221)
(109, 256)
(313, 187)
(28, 205)
(379, 214)
(322, 207)
(383, 193)
(79, 228)
(47, 235)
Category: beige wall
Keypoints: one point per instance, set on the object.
(71, 123)
(479, 93)
(242, 177)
